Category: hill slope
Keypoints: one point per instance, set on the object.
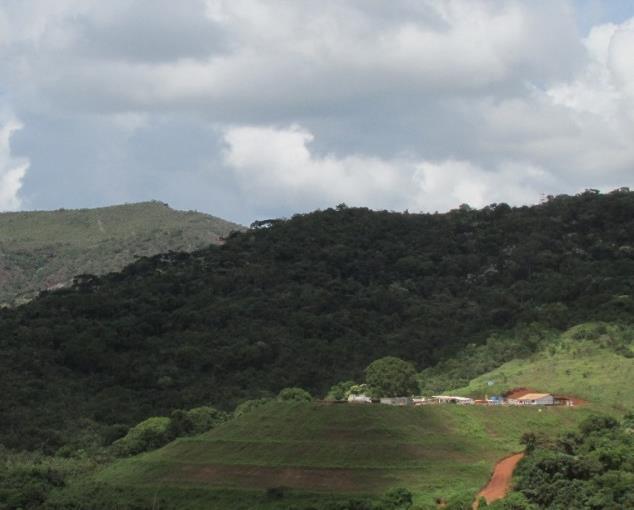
(442, 452)
(45, 249)
(306, 302)
(582, 363)
(323, 452)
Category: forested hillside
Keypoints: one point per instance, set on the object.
(589, 468)
(306, 302)
(44, 249)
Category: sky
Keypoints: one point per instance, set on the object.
(252, 109)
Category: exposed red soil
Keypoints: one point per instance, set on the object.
(500, 482)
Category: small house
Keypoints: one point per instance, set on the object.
(452, 399)
(359, 399)
(534, 399)
(561, 400)
(397, 401)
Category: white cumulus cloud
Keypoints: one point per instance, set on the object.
(12, 170)
(276, 165)
(443, 185)
(599, 104)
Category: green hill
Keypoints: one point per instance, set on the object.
(292, 455)
(583, 363)
(312, 455)
(324, 452)
(308, 301)
(45, 249)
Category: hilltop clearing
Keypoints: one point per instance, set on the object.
(45, 249)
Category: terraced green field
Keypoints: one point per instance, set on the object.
(323, 452)
(313, 449)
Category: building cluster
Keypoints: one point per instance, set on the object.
(512, 399)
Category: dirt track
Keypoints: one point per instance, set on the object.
(500, 481)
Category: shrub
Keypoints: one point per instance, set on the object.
(597, 423)
(397, 499)
(359, 389)
(206, 418)
(147, 435)
(294, 395)
(462, 501)
(114, 432)
(514, 501)
(195, 421)
(340, 390)
(249, 405)
(28, 486)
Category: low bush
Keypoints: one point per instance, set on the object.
(294, 395)
(147, 435)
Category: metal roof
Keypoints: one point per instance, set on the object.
(451, 397)
(533, 396)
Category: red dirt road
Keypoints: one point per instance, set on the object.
(500, 482)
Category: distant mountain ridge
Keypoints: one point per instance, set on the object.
(42, 250)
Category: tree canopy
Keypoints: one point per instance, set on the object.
(589, 469)
(391, 377)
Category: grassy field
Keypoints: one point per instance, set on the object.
(581, 364)
(40, 249)
(319, 451)
(324, 452)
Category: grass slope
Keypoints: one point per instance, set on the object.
(41, 249)
(580, 364)
(322, 452)
(320, 449)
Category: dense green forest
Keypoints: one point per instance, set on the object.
(307, 302)
(44, 249)
(591, 468)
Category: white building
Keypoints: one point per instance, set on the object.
(451, 399)
(533, 399)
(359, 399)
(397, 401)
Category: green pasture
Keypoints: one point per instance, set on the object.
(351, 450)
